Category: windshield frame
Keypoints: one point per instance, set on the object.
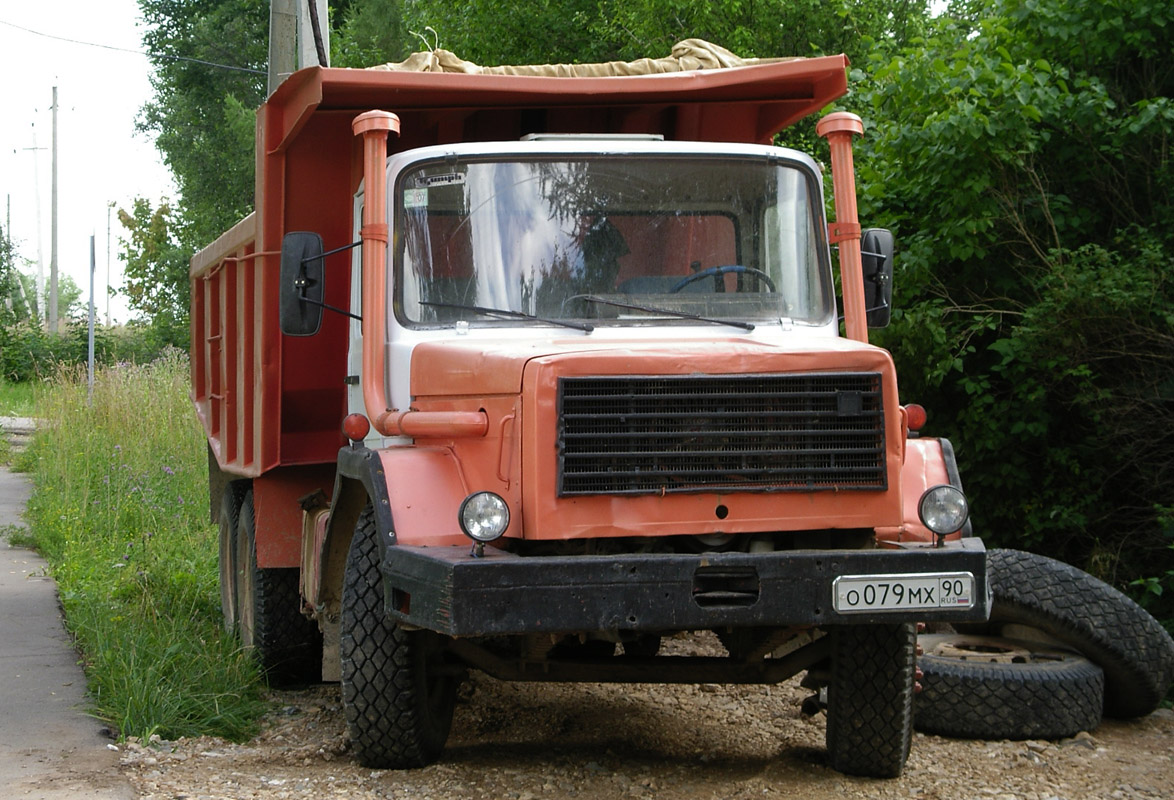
(572, 148)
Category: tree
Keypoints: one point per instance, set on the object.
(156, 268)
(209, 59)
(1022, 155)
(8, 275)
(369, 32)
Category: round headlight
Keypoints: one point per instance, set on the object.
(484, 516)
(943, 509)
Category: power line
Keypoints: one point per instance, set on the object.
(136, 52)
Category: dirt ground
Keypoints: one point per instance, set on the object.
(627, 742)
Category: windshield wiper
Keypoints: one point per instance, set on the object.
(588, 298)
(505, 312)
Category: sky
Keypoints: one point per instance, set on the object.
(101, 159)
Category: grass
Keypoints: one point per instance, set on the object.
(119, 509)
(17, 399)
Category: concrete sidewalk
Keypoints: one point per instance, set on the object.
(49, 748)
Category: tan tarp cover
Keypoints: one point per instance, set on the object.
(688, 55)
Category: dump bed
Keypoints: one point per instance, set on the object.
(268, 400)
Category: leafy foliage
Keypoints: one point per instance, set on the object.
(26, 350)
(493, 32)
(1021, 153)
(202, 114)
(8, 274)
(18, 290)
(369, 32)
(28, 353)
(156, 268)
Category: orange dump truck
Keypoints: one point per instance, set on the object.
(528, 373)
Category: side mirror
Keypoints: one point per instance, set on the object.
(302, 287)
(876, 251)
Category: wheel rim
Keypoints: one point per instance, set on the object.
(991, 650)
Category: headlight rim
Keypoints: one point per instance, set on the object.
(505, 510)
(926, 497)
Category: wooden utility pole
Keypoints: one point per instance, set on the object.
(291, 38)
(283, 35)
(90, 339)
(53, 228)
(109, 206)
(37, 309)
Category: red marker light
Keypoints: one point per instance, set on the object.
(356, 427)
(915, 416)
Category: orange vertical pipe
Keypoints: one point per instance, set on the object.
(839, 128)
(374, 127)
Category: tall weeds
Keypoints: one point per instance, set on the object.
(119, 509)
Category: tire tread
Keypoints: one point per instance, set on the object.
(1041, 700)
(1134, 650)
(870, 699)
(387, 717)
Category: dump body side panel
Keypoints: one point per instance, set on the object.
(228, 344)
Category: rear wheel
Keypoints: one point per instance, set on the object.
(230, 507)
(870, 699)
(398, 686)
(287, 645)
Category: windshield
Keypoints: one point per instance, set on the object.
(609, 240)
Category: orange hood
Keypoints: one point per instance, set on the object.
(477, 366)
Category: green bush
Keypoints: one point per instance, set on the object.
(28, 353)
(1021, 153)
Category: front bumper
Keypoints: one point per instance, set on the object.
(446, 590)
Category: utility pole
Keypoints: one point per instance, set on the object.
(7, 237)
(53, 245)
(109, 206)
(90, 351)
(292, 39)
(283, 34)
(38, 309)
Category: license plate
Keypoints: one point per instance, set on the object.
(853, 594)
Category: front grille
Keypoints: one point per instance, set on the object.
(689, 433)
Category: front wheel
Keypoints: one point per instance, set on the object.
(398, 687)
(870, 699)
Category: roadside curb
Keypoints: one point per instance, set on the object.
(18, 431)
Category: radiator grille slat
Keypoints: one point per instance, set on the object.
(659, 434)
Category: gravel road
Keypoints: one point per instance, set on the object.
(625, 742)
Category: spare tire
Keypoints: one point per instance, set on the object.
(985, 687)
(1088, 615)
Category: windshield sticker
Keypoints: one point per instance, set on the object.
(451, 179)
(415, 198)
